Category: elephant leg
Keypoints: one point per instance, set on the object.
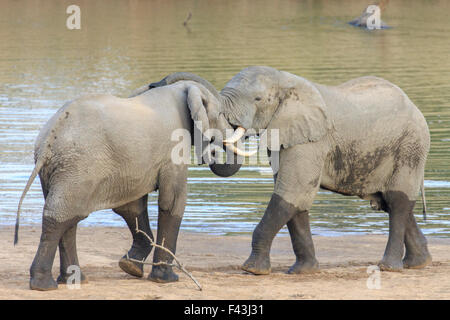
(277, 214)
(417, 254)
(302, 244)
(141, 247)
(41, 268)
(68, 255)
(171, 204)
(296, 184)
(400, 210)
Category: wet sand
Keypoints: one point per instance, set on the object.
(215, 262)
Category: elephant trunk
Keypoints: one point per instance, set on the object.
(179, 76)
(227, 169)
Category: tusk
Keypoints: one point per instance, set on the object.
(238, 151)
(238, 133)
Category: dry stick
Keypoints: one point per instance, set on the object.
(161, 263)
(178, 264)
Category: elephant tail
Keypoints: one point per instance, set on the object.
(37, 168)
(40, 162)
(424, 203)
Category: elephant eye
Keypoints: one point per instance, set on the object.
(257, 98)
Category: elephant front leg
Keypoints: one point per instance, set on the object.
(277, 214)
(68, 256)
(168, 227)
(141, 247)
(171, 204)
(302, 244)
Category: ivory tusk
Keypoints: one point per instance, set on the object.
(238, 133)
(238, 151)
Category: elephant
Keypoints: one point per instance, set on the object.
(100, 152)
(363, 138)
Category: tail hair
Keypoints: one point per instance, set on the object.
(37, 168)
(424, 203)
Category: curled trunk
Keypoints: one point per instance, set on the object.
(227, 169)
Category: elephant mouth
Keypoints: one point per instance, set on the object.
(234, 159)
(230, 143)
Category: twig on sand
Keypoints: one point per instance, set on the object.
(178, 264)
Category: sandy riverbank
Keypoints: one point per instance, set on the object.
(215, 262)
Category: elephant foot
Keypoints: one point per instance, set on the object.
(43, 282)
(258, 265)
(308, 266)
(417, 261)
(63, 278)
(132, 268)
(386, 265)
(162, 274)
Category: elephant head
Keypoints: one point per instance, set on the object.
(207, 111)
(266, 98)
(260, 98)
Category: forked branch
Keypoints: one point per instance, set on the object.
(177, 263)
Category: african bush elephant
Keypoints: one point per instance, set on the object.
(99, 152)
(364, 138)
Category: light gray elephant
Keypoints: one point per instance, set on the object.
(364, 138)
(99, 152)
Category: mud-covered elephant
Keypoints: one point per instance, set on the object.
(364, 138)
(99, 152)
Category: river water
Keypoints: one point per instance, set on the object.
(124, 44)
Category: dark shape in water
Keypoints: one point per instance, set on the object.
(361, 21)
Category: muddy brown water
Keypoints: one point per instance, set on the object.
(124, 44)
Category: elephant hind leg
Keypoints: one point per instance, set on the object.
(403, 230)
(68, 256)
(400, 208)
(41, 268)
(404, 233)
(417, 254)
(141, 247)
(59, 225)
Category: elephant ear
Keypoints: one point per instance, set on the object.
(202, 108)
(300, 118)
